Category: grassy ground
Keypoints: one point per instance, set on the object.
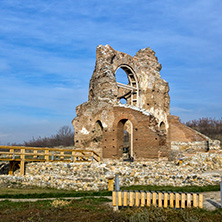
(35, 192)
(188, 189)
(91, 209)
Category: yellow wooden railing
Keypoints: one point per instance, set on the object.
(20, 154)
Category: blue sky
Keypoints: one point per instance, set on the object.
(48, 53)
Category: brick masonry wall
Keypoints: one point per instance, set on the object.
(148, 141)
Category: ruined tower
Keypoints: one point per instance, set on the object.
(131, 119)
(105, 124)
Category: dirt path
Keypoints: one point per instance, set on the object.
(212, 200)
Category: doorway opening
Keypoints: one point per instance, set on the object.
(125, 139)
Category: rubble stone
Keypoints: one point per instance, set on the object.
(200, 169)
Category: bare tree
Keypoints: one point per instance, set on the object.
(209, 126)
(64, 137)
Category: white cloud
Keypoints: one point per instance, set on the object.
(48, 54)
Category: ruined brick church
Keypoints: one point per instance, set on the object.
(131, 120)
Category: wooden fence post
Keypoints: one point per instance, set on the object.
(35, 156)
(114, 198)
(111, 184)
(188, 200)
(154, 199)
(148, 199)
(137, 198)
(177, 200)
(120, 198)
(160, 199)
(46, 156)
(125, 195)
(171, 200)
(194, 200)
(131, 199)
(165, 200)
(73, 158)
(142, 194)
(11, 167)
(183, 197)
(62, 157)
(200, 200)
(22, 163)
(12, 151)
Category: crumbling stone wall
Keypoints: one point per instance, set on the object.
(147, 107)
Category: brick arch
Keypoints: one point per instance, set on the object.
(127, 116)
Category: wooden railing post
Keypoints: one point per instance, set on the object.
(11, 166)
(73, 156)
(35, 156)
(62, 157)
(22, 163)
(12, 151)
(46, 156)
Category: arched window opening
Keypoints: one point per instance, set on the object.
(162, 126)
(122, 77)
(99, 126)
(127, 83)
(123, 101)
(98, 132)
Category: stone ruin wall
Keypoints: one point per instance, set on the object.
(100, 121)
(201, 169)
(96, 125)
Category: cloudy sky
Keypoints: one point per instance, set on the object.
(48, 52)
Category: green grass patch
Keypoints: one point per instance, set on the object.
(194, 189)
(169, 214)
(52, 194)
(35, 192)
(96, 209)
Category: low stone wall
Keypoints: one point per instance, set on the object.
(193, 147)
(93, 176)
